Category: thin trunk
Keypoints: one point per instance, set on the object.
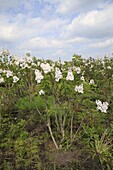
(61, 122)
(71, 133)
(51, 133)
(64, 120)
(57, 123)
(61, 127)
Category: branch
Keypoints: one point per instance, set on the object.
(51, 133)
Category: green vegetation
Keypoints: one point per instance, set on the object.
(56, 115)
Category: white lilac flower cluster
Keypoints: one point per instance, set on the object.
(35, 65)
(28, 59)
(109, 67)
(79, 88)
(1, 79)
(15, 79)
(91, 66)
(46, 67)
(70, 75)
(77, 69)
(38, 76)
(82, 78)
(14, 60)
(58, 74)
(102, 106)
(24, 65)
(62, 63)
(41, 92)
(91, 81)
(23, 62)
(9, 73)
(1, 70)
(5, 53)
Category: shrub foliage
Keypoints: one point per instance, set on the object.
(56, 115)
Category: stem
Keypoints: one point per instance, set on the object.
(51, 133)
(77, 130)
(56, 120)
(64, 120)
(71, 133)
(61, 126)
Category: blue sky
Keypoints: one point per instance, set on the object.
(57, 28)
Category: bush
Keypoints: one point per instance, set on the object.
(48, 106)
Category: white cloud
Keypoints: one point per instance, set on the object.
(40, 42)
(7, 31)
(50, 43)
(22, 27)
(102, 44)
(94, 24)
(75, 6)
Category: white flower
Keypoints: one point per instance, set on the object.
(9, 73)
(103, 62)
(91, 81)
(14, 60)
(28, 59)
(109, 67)
(102, 107)
(79, 88)
(15, 79)
(86, 64)
(63, 63)
(38, 63)
(38, 76)
(58, 74)
(46, 67)
(5, 53)
(98, 102)
(33, 64)
(70, 75)
(91, 66)
(4, 71)
(22, 60)
(77, 69)
(82, 78)
(25, 62)
(1, 79)
(41, 92)
(1, 71)
(24, 65)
